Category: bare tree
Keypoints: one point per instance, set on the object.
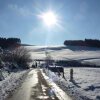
(21, 56)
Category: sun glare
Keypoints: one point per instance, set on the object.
(49, 18)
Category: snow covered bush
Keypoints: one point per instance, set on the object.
(17, 58)
(22, 57)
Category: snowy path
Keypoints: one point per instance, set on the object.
(36, 87)
(23, 93)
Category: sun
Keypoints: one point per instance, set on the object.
(49, 18)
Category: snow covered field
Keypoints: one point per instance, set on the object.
(87, 82)
(86, 85)
(79, 53)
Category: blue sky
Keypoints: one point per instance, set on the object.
(78, 19)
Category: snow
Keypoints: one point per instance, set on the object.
(87, 81)
(10, 83)
(25, 90)
(82, 54)
(58, 91)
(86, 84)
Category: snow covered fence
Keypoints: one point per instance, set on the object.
(67, 86)
(11, 83)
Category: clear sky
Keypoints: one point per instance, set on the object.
(77, 19)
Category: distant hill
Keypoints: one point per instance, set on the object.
(86, 42)
(6, 43)
(26, 45)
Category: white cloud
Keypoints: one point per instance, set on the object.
(20, 10)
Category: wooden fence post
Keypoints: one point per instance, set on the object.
(71, 74)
